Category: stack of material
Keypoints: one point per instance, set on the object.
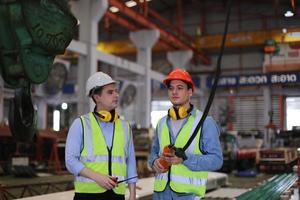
(278, 160)
(273, 188)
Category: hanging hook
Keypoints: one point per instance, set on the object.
(22, 115)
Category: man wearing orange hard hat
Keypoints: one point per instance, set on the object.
(182, 174)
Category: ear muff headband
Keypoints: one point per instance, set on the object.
(179, 113)
(107, 116)
(173, 113)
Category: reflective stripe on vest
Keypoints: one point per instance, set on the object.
(96, 157)
(104, 158)
(182, 179)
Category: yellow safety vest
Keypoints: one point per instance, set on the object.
(96, 156)
(180, 178)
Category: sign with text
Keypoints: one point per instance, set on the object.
(256, 79)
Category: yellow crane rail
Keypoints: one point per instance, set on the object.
(212, 41)
(248, 38)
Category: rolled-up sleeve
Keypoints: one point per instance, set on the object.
(212, 158)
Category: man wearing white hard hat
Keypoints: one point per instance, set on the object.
(99, 147)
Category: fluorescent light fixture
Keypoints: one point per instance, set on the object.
(142, 1)
(114, 9)
(130, 3)
(56, 120)
(288, 14)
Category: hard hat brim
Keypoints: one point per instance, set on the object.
(167, 80)
(111, 82)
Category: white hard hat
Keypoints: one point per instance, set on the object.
(97, 80)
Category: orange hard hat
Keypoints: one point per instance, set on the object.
(180, 74)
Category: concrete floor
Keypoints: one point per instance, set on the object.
(236, 185)
(247, 182)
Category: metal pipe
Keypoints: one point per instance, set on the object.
(298, 166)
(120, 20)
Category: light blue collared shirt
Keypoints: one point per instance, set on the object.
(74, 146)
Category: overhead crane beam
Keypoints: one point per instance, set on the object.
(165, 22)
(248, 38)
(213, 41)
(121, 21)
(81, 47)
(171, 38)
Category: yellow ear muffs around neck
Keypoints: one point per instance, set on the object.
(107, 116)
(180, 112)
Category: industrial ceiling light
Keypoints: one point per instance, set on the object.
(130, 3)
(142, 1)
(284, 30)
(64, 106)
(288, 14)
(114, 9)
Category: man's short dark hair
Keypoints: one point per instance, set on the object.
(95, 90)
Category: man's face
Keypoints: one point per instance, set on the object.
(108, 99)
(178, 93)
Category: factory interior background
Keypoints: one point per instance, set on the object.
(138, 42)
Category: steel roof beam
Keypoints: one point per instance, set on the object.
(172, 39)
(125, 23)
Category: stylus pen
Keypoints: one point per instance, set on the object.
(127, 179)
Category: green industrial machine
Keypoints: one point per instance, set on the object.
(32, 33)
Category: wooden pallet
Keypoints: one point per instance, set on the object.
(279, 155)
(274, 167)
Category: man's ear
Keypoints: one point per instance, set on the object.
(96, 96)
(190, 92)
